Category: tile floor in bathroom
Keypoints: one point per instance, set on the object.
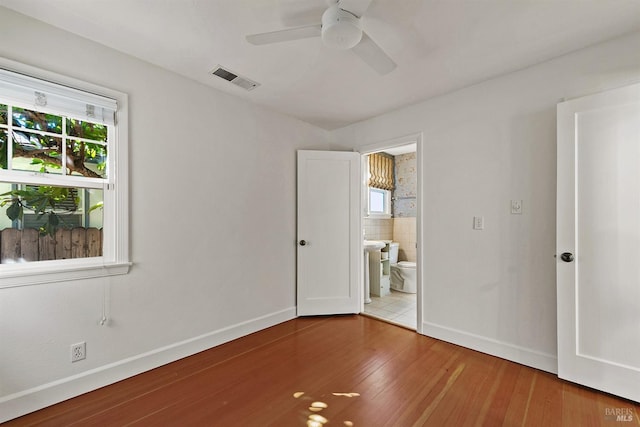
(399, 308)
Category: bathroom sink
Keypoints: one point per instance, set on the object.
(373, 245)
(369, 246)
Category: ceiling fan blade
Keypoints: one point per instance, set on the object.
(285, 35)
(373, 55)
(296, 13)
(357, 7)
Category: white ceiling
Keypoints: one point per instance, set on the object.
(439, 45)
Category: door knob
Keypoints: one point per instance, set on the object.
(303, 242)
(566, 256)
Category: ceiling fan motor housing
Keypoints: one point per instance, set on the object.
(340, 28)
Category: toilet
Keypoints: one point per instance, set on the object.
(403, 273)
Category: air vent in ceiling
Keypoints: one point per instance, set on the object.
(237, 80)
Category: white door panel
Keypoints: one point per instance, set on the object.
(599, 223)
(328, 233)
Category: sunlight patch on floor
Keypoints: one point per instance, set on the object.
(317, 420)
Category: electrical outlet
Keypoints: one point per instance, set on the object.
(516, 207)
(78, 351)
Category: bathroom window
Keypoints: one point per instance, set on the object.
(379, 203)
(63, 178)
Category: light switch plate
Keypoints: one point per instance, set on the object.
(478, 223)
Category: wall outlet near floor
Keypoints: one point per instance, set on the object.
(78, 351)
(516, 207)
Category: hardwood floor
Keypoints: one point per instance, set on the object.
(366, 372)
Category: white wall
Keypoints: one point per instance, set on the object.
(212, 230)
(494, 290)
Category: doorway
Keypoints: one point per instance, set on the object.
(391, 213)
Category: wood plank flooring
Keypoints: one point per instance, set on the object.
(366, 372)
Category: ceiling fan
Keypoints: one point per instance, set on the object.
(340, 28)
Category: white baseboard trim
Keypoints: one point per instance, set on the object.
(522, 355)
(24, 402)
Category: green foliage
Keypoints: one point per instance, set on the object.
(38, 136)
(98, 205)
(3, 137)
(3, 149)
(94, 154)
(85, 150)
(87, 130)
(45, 164)
(3, 114)
(42, 200)
(36, 120)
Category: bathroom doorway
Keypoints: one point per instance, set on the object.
(391, 214)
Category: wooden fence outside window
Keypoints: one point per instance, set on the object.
(30, 245)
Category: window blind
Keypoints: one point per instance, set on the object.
(381, 171)
(32, 93)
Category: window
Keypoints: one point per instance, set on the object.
(63, 178)
(376, 200)
(379, 202)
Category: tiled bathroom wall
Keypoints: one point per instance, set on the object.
(401, 230)
(404, 232)
(378, 229)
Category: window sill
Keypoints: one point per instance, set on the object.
(25, 274)
(378, 216)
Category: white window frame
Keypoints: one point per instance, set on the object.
(387, 203)
(115, 258)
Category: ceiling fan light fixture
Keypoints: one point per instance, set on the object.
(340, 29)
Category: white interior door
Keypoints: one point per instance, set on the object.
(329, 236)
(598, 241)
